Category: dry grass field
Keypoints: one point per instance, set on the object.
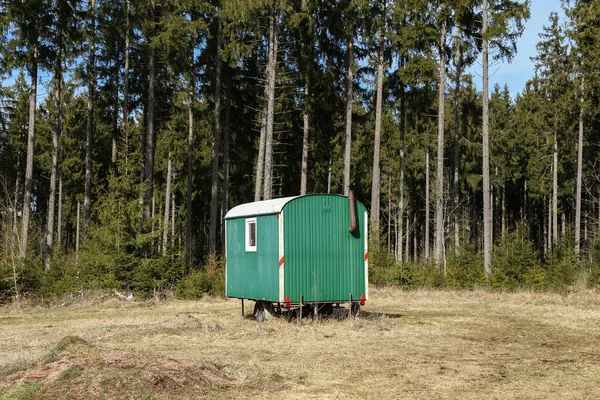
(424, 344)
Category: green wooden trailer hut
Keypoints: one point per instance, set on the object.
(303, 250)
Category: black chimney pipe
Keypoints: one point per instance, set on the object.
(352, 204)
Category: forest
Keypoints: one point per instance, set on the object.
(129, 128)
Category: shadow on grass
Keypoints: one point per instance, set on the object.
(378, 315)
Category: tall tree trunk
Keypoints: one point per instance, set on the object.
(87, 200)
(271, 71)
(579, 175)
(167, 204)
(190, 160)
(455, 188)
(59, 216)
(173, 218)
(15, 206)
(414, 235)
(349, 101)
(427, 206)
(149, 160)
(115, 120)
(546, 226)
(260, 162)
(399, 254)
(407, 238)
(30, 149)
(226, 134)
(306, 132)
(439, 181)
(555, 192)
(53, 172)
(376, 184)
(329, 176)
(214, 192)
(487, 206)
(504, 215)
(550, 207)
(77, 232)
(126, 85)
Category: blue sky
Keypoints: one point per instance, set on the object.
(521, 69)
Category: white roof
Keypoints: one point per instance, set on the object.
(259, 208)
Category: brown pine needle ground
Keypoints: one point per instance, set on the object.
(419, 344)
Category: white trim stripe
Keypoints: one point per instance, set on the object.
(281, 257)
(366, 255)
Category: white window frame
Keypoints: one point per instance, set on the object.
(249, 222)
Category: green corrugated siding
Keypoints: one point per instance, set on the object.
(323, 260)
(253, 275)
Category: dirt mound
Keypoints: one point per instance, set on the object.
(75, 369)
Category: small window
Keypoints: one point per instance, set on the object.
(251, 234)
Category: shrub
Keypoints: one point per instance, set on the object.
(209, 280)
(465, 269)
(562, 267)
(512, 260)
(383, 268)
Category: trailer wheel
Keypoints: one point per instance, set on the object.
(264, 310)
(260, 315)
(259, 311)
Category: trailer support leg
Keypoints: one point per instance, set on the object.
(242, 308)
(300, 313)
(350, 307)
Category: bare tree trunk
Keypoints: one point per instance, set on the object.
(415, 239)
(149, 161)
(399, 253)
(376, 184)
(30, 149)
(271, 72)
(550, 207)
(545, 225)
(329, 176)
(15, 230)
(306, 133)
(214, 192)
(349, 101)
(427, 206)
(579, 175)
(555, 192)
(190, 160)
(524, 216)
(455, 188)
(173, 218)
(115, 121)
(487, 206)
(504, 216)
(53, 172)
(152, 213)
(225, 205)
(407, 238)
(77, 232)
(87, 201)
(260, 162)
(167, 201)
(59, 216)
(126, 86)
(439, 181)
(390, 213)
